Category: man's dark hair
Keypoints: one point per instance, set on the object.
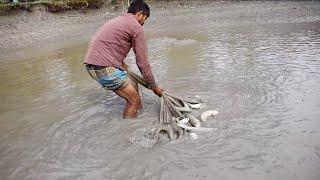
(137, 6)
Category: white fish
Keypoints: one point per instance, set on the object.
(194, 106)
(193, 136)
(205, 115)
(195, 129)
(185, 108)
(193, 120)
(184, 121)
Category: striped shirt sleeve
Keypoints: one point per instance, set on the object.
(140, 49)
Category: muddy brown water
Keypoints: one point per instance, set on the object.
(258, 62)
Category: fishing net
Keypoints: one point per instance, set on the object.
(172, 107)
(175, 115)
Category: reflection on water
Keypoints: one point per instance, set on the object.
(56, 122)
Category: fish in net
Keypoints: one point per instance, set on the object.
(176, 116)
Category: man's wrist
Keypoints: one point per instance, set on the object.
(153, 87)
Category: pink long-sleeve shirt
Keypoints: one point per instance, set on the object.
(113, 41)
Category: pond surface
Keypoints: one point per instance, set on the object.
(258, 62)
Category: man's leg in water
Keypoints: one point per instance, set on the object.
(133, 99)
(137, 88)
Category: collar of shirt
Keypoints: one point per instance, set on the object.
(131, 16)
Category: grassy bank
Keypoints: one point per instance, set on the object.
(51, 5)
(7, 7)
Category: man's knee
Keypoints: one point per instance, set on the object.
(130, 94)
(135, 99)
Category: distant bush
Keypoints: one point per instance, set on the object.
(79, 4)
(55, 6)
(51, 5)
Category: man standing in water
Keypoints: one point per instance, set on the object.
(110, 46)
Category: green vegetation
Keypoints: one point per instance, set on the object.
(51, 5)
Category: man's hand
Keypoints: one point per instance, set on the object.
(158, 91)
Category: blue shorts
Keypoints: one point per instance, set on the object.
(110, 78)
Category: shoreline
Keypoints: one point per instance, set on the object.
(30, 29)
(26, 30)
(23, 31)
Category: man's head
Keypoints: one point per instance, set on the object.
(140, 9)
